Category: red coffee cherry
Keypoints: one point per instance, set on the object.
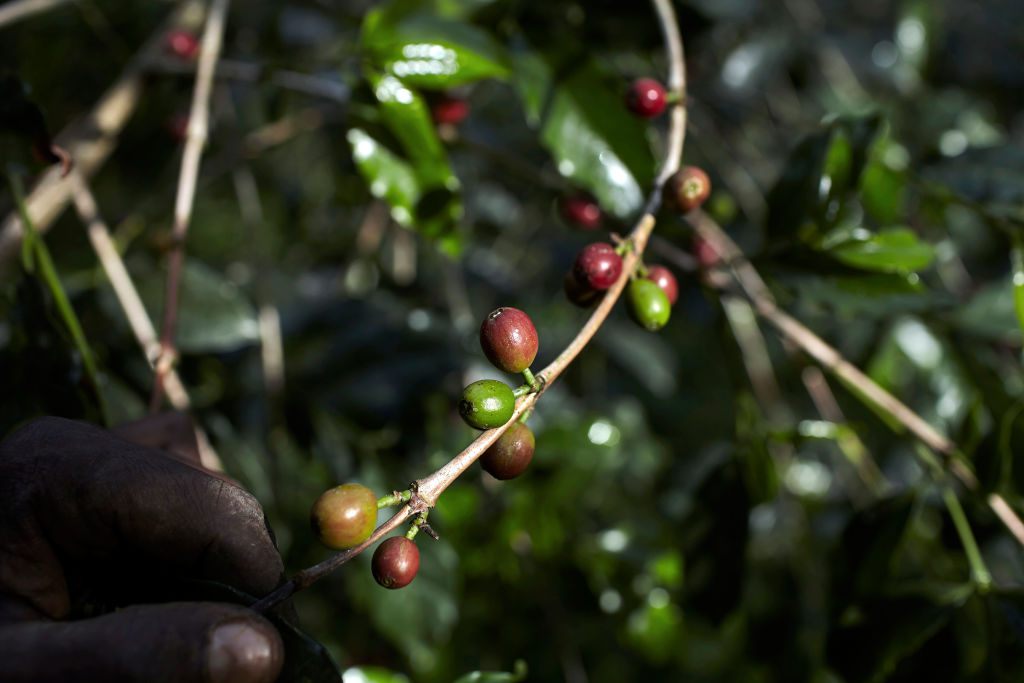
(646, 98)
(579, 293)
(345, 516)
(510, 455)
(449, 110)
(395, 562)
(182, 44)
(581, 211)
(687, 189)
(663, 277)
(177, 126)
(509, 339)
(597, 266)
(705, 254)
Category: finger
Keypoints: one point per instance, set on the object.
(201, 642)
(77, 499)
(170, 432)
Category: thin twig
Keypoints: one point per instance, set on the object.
(17, 10)
(429, 489)
(764, 303)
(131, 304)
(199, 121)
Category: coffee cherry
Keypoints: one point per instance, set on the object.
(344, 516)
(663, 277)
(646, 98)
(706, 255)
(182, 44)
(510, 455)
(487, 404)
(509, 339)
(648, 304)
(449, 110)
(597, 266)
(578, 293)
(581, 211)
(687, 189)
(395, 562)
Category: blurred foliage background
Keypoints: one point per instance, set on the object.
(679, 522)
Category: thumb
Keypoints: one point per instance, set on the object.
(190, 642)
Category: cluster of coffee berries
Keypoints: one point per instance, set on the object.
(344, 517)
(509, 340)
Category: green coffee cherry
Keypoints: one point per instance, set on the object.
(488, 403)
(648, 304)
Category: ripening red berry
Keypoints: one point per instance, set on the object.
(510, 455)
(395, 562)
(705, 254)
(581, 211)
(177, 126)
(182, 44)
(579, 293)
(687, 189)
(344, 516)
(509, 339)
(663, 277)
(449, 110)
(646, 98)
(597, 266)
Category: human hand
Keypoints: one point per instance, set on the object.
(84, 513)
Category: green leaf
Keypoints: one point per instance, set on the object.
(372, 674)
(594, 140)
(991, 313)
(897, 250)
(388, 176)
(213, 314)
(426, 50)
(518, 674)
(1017, 261)
(819, 175)
(438, 205)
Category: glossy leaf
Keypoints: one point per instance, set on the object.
(819, 175)
(896, 250)
(583, 123)
(372, 674)
(430, 51)
(518, 674)
(388, 176)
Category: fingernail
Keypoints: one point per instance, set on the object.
(240, 652)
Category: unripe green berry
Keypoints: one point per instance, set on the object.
(509, 339)
(345, 516)
(510, 455)
(487, 404)
(648, 304)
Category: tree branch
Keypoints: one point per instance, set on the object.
(426, 491)
(757, 291)
(16, 10)
(199, 120)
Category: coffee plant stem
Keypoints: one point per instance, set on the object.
(198, 125)
(979, 572)
(427, 490)
(755, 289)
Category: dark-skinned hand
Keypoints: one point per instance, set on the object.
(85, 514)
